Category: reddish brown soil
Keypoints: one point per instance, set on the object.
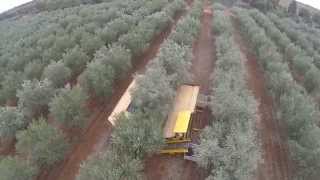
(7, 148)
(203, 52)
(161, 167)
(99, 130)
(274, 149)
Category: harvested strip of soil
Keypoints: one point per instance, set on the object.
(275, 155)
(99, 131)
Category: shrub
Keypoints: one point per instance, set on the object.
(311, 79)
(11, 83)
(98, 79)
(129, 138)
(68, 107)
(41, 143)
(11, 120)
(305, 14)
(301, 64)
(116, 56)
(57, 73)
(76, 60)
(176, 60)
(158, 101)
(34, 97)
(90, 43)
(111, 165)
(12, 168)
(34, 70)
(186, 31)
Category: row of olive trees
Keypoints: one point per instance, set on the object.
(294, 106)
(302, 39)
(229, 148)
(140, 132)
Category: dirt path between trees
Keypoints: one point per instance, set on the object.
(99, 130)
(274, 150)
(160, 167)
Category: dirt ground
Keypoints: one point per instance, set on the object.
(161, 167)
(274, 149)
(98, 132)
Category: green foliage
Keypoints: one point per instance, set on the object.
(312, 80)
(137, 39)
(293, 8)
(221, 23)
(11, 120)
(34, 70)
(14, 168)
(130, 138)
(90, 43)
(263, 5)
(301, 64)
(116, 56)
(305, 14)
(68, 107)
(98, 79)
(11, 83)
(186, 31)
(111, 165)
(34, 97)
(76, 60)
(316, 18)
(57, 73)
(41, 143)
(176, 60)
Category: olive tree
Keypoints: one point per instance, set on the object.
(129, 138)
(76, 60)
(11, 120)
(311, 80)
(98, 79)
(11, 83)
(34, 70)
(41, 143)
(12, 168)
(116, 56)
(111, 165)
(34, 97)
(68, 107)
(57, 73)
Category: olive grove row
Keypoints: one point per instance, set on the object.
(229, 148)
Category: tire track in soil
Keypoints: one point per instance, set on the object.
(99, 131)
(274, 148)
(161, 167)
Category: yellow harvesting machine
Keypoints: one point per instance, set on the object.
(177, 130)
